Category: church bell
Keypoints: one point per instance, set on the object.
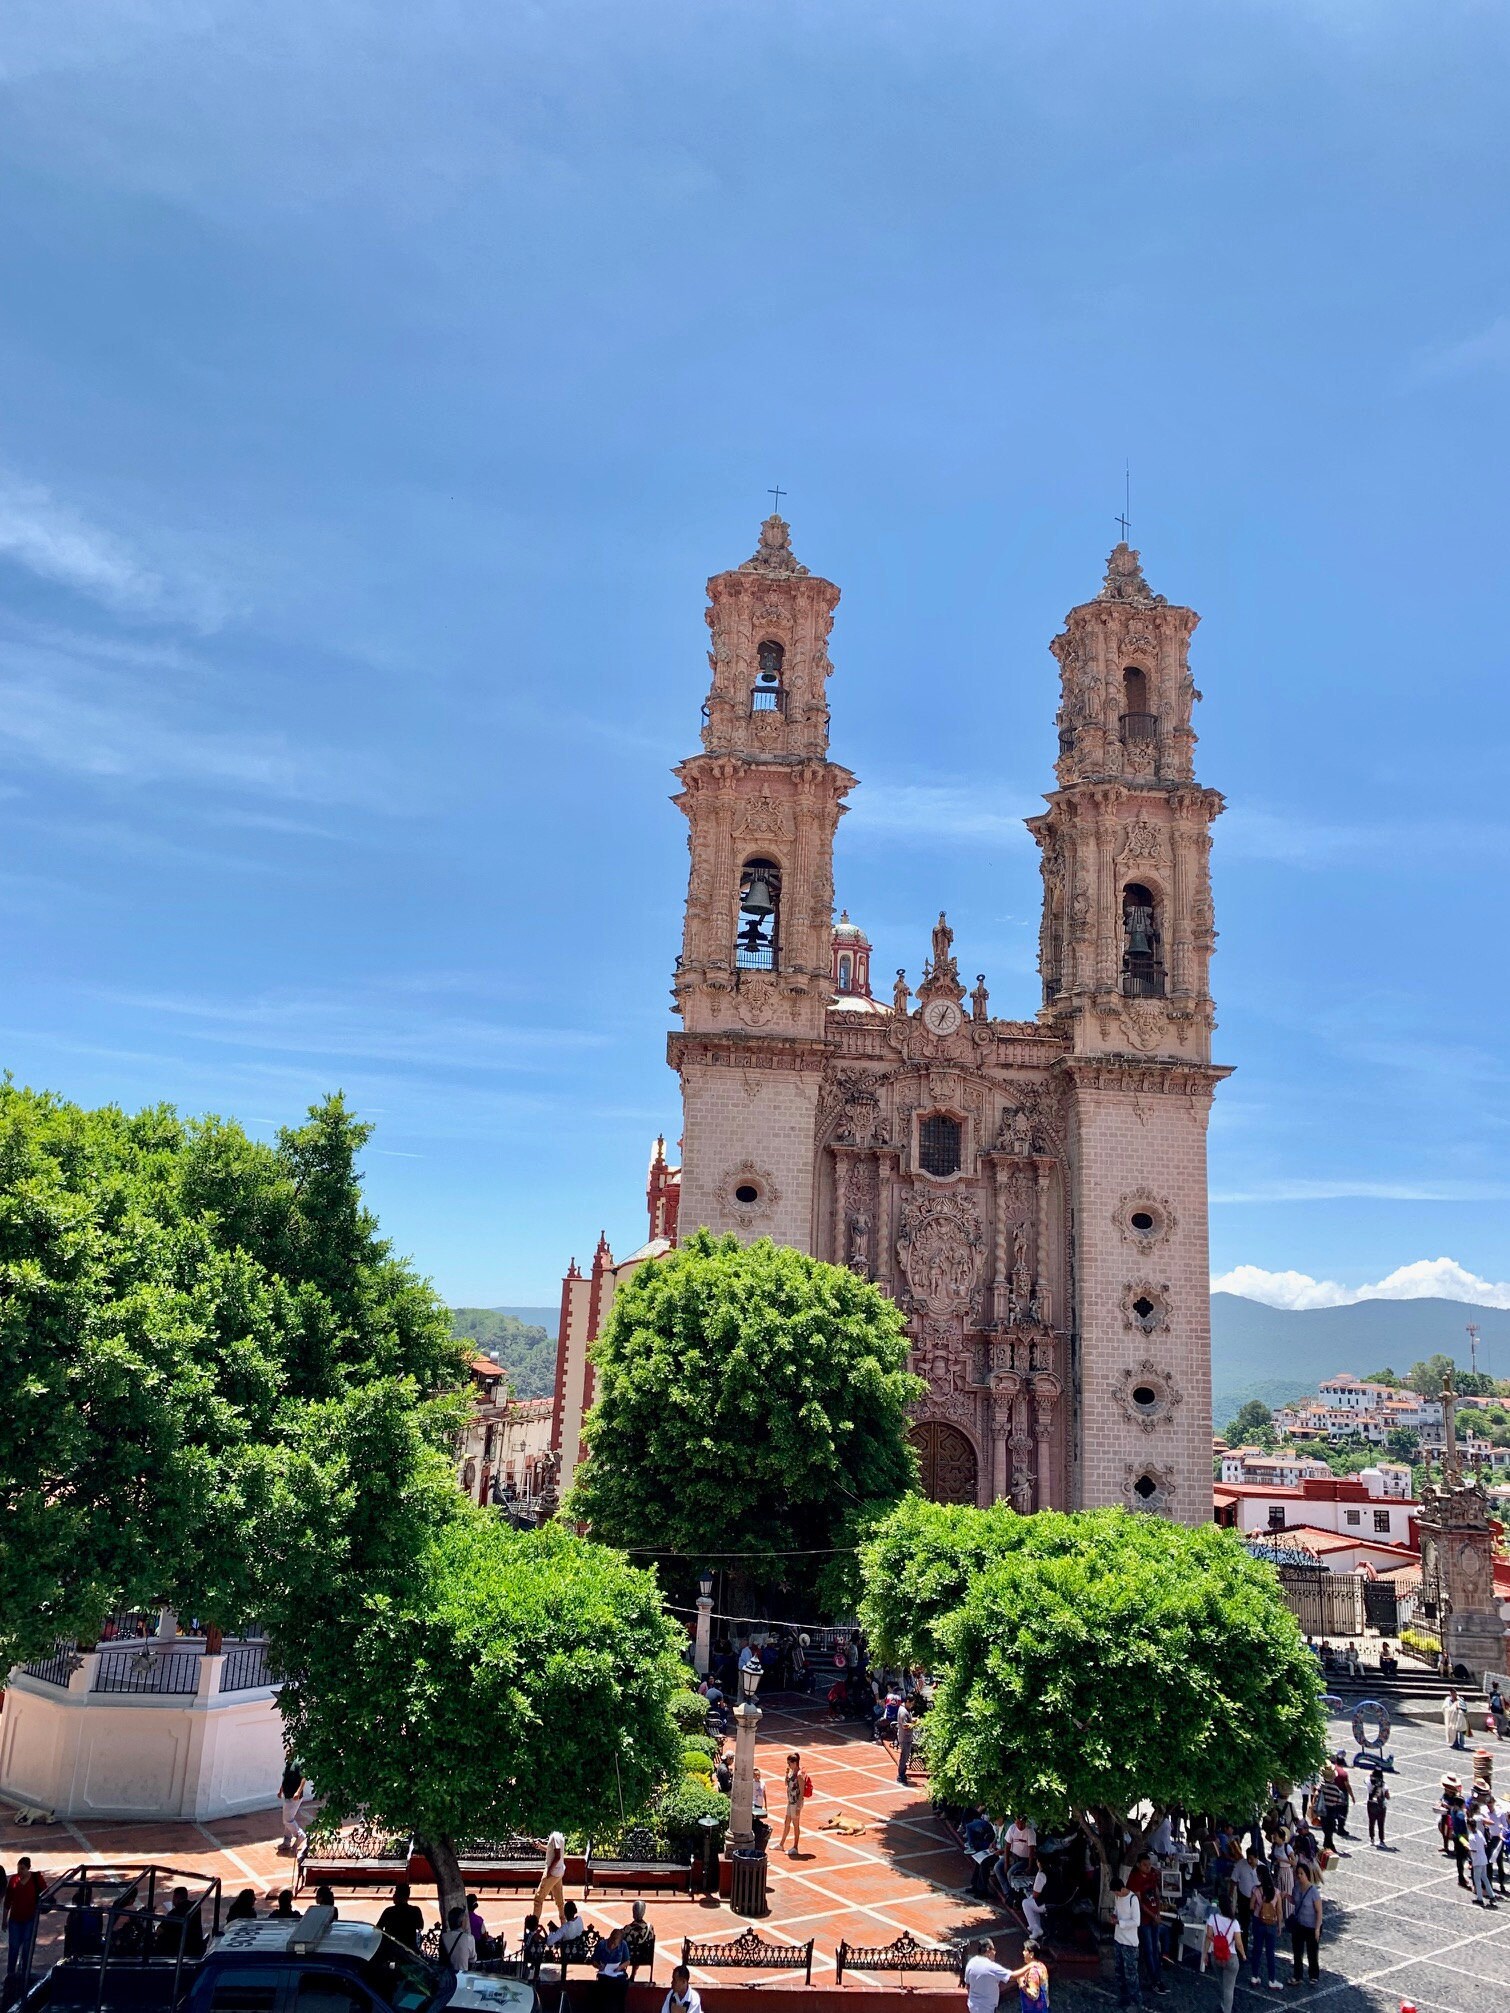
(757, 899)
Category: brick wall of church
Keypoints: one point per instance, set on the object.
(1143, 1154)
(748, 1128)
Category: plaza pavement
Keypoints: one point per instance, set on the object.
(1398, 1927)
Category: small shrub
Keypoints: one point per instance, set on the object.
(690, 1711)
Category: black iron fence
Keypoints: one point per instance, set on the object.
(56, 1669)
(246, 1668)
(173, 1673)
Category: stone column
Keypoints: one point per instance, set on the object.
(999, 1286)
(1003, 1396)
(742, 1797)
(1045, 1396)
(702, 1648)
(886, 1236)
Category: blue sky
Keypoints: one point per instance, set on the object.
(381, 385)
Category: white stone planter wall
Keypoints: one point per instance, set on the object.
(83, 1753)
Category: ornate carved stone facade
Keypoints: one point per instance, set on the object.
(1032, 1192)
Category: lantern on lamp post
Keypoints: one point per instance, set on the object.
(702, 1650)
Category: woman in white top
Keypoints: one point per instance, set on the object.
(552, 1880)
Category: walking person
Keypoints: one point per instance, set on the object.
(1454, 1721)
(799, 1788)
(904, 1740)
(553, 1879)
(23, 1891)
(1263, 1932)
(1305, 1925)
(1478, 1863)
(1223, 1948)
(291, 1792)
(1377, 1803)
(1127, 1919)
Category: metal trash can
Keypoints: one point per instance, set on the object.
(747, 1875)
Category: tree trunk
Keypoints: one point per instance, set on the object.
(450, 1888)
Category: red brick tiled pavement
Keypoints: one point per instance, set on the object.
(902, 1871)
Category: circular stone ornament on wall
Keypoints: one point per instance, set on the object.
(1147, 1394)
(1144, 1220)
(747, 1195)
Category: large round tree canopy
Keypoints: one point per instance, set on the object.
(1097, 1661)
(751, 1403)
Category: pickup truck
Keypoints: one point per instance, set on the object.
(310, 1964)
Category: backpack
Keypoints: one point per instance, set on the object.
(1221, 1940)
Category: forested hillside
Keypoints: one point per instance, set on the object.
(526, 1348)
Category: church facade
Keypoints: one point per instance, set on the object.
(1031, 1192)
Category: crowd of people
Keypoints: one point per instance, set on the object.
(1228, 1894)
(1475, 1832)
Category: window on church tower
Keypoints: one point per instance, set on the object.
(768, 695)
(1137, 722)
(1142, 945)
(939, 1144)
(758, 941)
(846, 974)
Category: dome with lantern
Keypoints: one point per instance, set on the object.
(851, 969)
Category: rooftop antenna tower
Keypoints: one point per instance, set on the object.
(1473, 1346)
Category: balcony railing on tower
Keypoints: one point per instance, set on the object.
(1138, 727)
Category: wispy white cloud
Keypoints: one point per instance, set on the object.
(56, 542)
(940, 811)
(1424, 1279)
(369, 1027)
(1489, 349)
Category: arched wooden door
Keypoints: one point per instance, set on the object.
(947, 1461)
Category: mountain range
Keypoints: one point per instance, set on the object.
(1274, 1354)
(1277, 1354)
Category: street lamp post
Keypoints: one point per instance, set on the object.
(702, 1650)
(746, 1720)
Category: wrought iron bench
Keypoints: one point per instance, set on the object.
(906, 1954)
(361, 1855)
(750, 1951)
(642, 1863)
(516, 1862)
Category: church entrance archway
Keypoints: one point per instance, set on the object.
(947, 1461)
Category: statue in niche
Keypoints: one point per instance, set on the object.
(979, 998)
(1016, 1132)
(899, 992)
(1022, 1491)
(859, 1243)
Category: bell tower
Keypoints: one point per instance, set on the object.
(755, 976)
(1125, 951)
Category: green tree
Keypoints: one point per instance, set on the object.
(1253, 1423)
(1402, 1443)
(489, 1681)
(175, 1301)
(1383, 1377)
(1428, 1376)
(918, 1567)
(1106, 1663)
(751, 1405)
